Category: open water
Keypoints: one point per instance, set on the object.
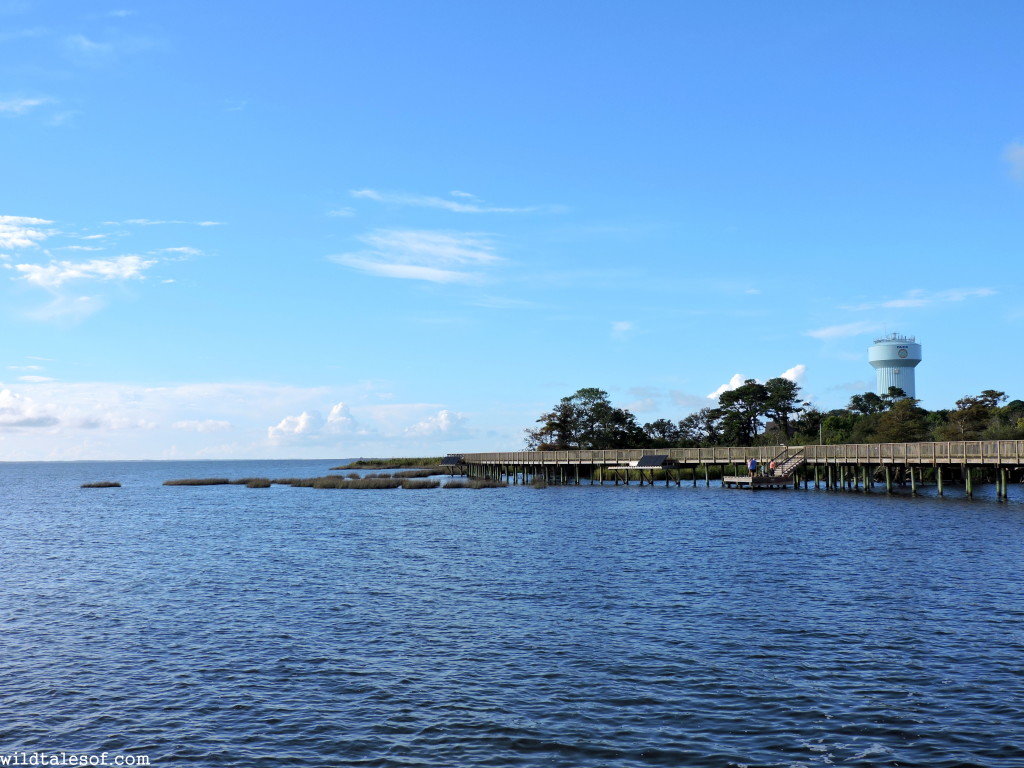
(568, 626)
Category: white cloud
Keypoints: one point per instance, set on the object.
(56, 273)
(306, 423)
(20, 106)
(204, 425)
(622, 329)
(438, 257)
(443, 423)
(842, 331)
(35, 379)
(343, 212)
(311, 427)
(918, 297)
(736, 381)
(794, 374)
(428, 201)
(18, 412)
(22, 231)
(67, 310)
(82, 48)
(1014, 155)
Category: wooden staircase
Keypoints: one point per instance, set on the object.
(791, 459)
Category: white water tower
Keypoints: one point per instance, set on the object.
(894, 358)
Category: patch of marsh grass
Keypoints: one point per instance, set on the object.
(456, 484)
(101, 485)
(406, 463)
(199, 481)
(416, 473)
(483, 482)
(415, 485)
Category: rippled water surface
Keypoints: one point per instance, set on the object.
(568, 626)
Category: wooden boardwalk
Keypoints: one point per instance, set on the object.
(849, 466)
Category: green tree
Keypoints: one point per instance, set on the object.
(585, 420)
(740, 411)
(700, 429)
(973, 415)
(662, 433)
(866, 404)
(904, 422)
(782, 403)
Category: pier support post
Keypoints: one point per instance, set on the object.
(938, 478)
(888, 478)
(913, 482)
(967, 483)
(816, 486)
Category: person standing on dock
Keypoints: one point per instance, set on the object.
(771, 468)
(752, 466)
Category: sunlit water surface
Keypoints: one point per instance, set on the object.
(568, 626)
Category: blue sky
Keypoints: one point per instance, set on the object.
(336, 229)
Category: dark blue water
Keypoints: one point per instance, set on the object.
(583, 627)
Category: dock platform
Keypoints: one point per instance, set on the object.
(756, 483)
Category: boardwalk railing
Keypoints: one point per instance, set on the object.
(995, 453)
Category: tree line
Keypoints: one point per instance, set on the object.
(774, 413)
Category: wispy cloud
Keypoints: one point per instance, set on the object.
(843, 331)
(917, 298)
(20, 106)
(438, 257)
(202, 425)
(85, 51)
(429, 201)
(56, 273)
(161, 222)
(622, 329)
(22, 231)
(1014, 155)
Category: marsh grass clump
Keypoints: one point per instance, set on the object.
(456, 484)
(416, 473)
(296, 482)
(539, 482)
(101, 485)
(415, 485)
(353, 476)
(257, 482)
(199, 481)
(366, 483)
(483, 482)
(406, 463)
